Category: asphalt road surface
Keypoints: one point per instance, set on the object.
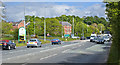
(78, 51)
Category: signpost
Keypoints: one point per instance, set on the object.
(22, 35)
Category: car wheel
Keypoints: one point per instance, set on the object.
(60, 43)
(14, 47)
(27, 46)
(9, 47)
(90, 40)
(52, 44)
(3, 49)
(40, 46)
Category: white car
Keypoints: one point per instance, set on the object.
(75, 37)
(34, 43)
(106, 39)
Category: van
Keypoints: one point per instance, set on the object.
(92, 37)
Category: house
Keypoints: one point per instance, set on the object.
(17, 25)
(21, 24)
(67, 28)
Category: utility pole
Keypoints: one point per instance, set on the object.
(34, 24)
(83, 29)
(24, 23)
(73, 25)
(44, 30)
(24, 15)
(62, 27)
(101, 29)
(45, 26)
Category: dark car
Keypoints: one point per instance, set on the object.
(49, 36)
(7, 44)
(82, 38)
(100, 40)
(55, 41)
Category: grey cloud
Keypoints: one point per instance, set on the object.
(16, 13)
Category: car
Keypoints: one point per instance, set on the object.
(75, 37)
(92, 37)
(100, 40)
(49, 36)
(87, 37)
(7, 44)
(55, 41)
(34, 43)
(82, 38)
(106, 39)
(95, 39)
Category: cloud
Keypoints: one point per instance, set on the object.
(16, 13)
(52, 0)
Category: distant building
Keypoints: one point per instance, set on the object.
(17, 25)
(67, 27)
(21, 24)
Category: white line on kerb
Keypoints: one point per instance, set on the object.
(48, 56)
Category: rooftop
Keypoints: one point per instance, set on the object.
(65, 23)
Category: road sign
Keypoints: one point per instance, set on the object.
(21, 35)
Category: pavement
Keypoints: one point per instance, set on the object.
(78, 51)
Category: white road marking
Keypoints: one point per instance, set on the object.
(44, 50)
(97, 48)
(65, 50)
(48, 56)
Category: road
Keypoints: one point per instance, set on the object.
(78, 51)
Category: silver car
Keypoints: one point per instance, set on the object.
(34, 43)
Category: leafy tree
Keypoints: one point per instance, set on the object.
(101, 25)
(53, 26)
(6, 27)
(113, 13)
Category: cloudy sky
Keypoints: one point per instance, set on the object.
(15, 10)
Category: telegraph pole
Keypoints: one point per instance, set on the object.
(73, 25)
(101, 29)
(62, 27)
(45, 26)
(24, 23)
(34, 24)
(24, 15)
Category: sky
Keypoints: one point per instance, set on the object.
(15, 10)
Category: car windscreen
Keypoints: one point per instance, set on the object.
(2, 41)
(55, 39)
(92, 36)
(32, 40)
(105, 37)
(100, 38)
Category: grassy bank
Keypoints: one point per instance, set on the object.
(62, 39)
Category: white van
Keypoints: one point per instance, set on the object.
(92, 37)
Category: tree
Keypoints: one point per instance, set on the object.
(101, 25)
(113, 13)
(6, 27)
(53, 26)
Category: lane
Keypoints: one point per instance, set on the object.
(69, 52)
(31, 57)
(78, 55)
(44, 53)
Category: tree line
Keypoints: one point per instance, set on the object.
(86, 25)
